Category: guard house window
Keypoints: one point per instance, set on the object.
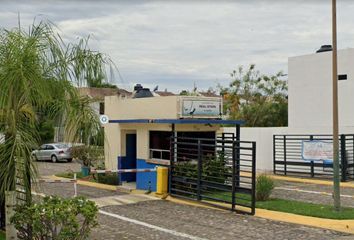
(101, 108)
(160, 145)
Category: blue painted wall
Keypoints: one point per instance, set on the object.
(145, 180)
(128, 161)
(123, 163)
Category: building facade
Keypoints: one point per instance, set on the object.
(139, 131)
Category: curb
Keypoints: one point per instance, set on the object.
(87, 183)
(97, 185)
(346, 226)
(313, 181)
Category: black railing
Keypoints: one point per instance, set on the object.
(215, 171)
(287, 158)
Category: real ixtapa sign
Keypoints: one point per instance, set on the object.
(317, 150)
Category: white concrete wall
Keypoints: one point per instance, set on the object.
(310, 90)
(150, 108)
(264, 144)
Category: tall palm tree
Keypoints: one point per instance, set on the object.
(38, 72)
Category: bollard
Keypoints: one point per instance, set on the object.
(75, 185)
(10, 202)
(162, 180)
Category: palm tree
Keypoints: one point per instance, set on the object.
(38, 72)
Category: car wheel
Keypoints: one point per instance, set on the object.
(70, 160)
(54, 158)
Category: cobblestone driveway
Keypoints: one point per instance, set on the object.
(67, 189)
(346, 200)
(197, 223)
(49, 168)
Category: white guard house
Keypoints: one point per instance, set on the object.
(139, 130)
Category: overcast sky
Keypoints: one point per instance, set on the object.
(175, 44)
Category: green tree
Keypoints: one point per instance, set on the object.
(38, 72)
(260, 100)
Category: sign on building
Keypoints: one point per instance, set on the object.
(317, 150)
(201, 108)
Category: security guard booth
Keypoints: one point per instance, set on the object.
(138, 134)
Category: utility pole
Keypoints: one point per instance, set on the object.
(336, 179)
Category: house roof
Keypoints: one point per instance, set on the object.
(100, 93)
(164, 93)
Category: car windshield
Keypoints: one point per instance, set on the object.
(61, 145)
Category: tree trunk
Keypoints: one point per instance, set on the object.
(10, 202)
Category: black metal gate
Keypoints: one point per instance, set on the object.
(217, 171)
(287, 158)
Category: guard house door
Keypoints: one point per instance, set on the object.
(130, 161)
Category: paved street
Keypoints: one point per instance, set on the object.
(200, 223)
(312, 193)
(126, 216)
(46, 168)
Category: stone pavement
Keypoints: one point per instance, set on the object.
(285, 192)
(139, 217)
(46, 168)
(202, 223)
(123, 199)
(67, 190)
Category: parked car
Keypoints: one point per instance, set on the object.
(53, 151)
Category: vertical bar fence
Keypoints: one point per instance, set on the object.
(287, 157)
(217, 171)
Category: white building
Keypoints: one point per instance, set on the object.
(310, 102)
(310, 91)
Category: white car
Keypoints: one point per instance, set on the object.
(53, 151)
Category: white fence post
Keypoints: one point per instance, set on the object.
(75, 185)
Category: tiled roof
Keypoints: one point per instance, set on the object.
(164, 93)
(100, 93)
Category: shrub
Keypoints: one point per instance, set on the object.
(108, 178)
(56, 218)
(215, 168)
(264, 187)
(87, 154)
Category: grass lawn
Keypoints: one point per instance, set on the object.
(241, 198)
(2, 235)
(70, 175)
(307, 209)
(291, 206)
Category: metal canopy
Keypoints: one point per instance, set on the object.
(180, 121)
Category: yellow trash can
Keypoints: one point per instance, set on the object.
(162, 180)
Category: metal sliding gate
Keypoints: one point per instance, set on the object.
(287, 158)
(217, 171)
